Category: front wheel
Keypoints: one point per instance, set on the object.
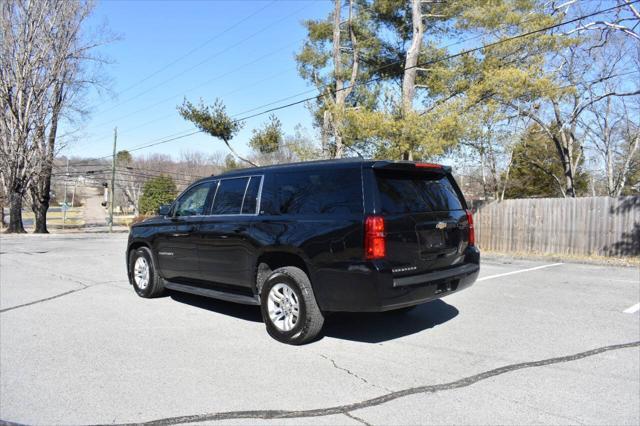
(144, 277)
(289, 307)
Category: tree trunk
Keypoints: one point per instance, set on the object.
(569, 177)
(40, 198)
(41, 188)
(563, 146)
(238, 156)
(410, 65)
(40, 213)
(411, 61)
(15, 212)
(625, 167)
(326, 128)
(337, 70)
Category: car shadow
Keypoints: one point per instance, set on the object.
(385, 326)
(359, 327)
(236, 310)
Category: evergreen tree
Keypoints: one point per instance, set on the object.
(157, 191)
(537, 171)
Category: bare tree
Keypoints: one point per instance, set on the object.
(70, 77)
(625, 20)
(24, 89)
(581, 77)
(43, 74)
(613, 131)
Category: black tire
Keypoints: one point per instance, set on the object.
(310, 319)
(155, 287)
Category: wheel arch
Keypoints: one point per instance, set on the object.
(271, 260)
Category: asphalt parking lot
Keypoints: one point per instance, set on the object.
(531, 342)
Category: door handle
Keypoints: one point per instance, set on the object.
(186, 232)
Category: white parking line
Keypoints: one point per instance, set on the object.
(633, 309)
(518, 272)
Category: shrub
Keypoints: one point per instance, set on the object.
(156, 192)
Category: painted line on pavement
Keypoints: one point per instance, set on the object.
(519, 271)
(633, 309)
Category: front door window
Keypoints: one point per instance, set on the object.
(193, 202)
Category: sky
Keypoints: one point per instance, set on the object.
(242, 52)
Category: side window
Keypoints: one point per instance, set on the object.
(192, 202)
(229, 197)
(251, 197)
(320, 192)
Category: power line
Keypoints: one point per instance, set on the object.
(137, 171)
(420, 65)
(195, 49)
(205, 83)
(155, 120)
(209, 58)
(495, 31)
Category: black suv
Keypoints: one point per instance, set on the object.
(304, 239)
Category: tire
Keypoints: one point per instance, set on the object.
(154, 287)
(290, 284)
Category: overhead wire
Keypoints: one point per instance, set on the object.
(191, 132)
(209, 58)
(195, 49)
(322, 87)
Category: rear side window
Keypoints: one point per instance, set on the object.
(228, 198)
(251, 197)
(319, 192)
(416, 192)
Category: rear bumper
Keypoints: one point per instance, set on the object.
(371, 287)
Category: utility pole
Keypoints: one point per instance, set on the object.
(73, 197)
(64, 204)
(113, 179)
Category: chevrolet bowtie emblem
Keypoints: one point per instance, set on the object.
(441, 225)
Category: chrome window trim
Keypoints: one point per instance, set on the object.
(259, 198)
(213, 200)
(245, 193)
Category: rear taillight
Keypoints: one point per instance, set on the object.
(428, 166)
(374, 238)
(472, 231)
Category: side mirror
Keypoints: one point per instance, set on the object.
(164, 209)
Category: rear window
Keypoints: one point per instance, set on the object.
(416, 193)
(319, 192)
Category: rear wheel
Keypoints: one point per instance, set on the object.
(289, 307)
(144, 277)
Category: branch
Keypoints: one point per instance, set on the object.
(595, 25)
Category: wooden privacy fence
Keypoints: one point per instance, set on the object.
(579, 226)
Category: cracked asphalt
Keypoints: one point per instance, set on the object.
(531, 342)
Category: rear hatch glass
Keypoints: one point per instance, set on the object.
(425, 221)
